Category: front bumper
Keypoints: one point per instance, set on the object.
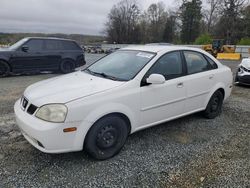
(243, 78)
(45, 136)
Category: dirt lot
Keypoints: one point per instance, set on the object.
(188, 152)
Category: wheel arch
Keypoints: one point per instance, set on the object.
(222, 91)
(6, 61)
(68, 58)
(121, 115)
(100, 112)
(219, 87)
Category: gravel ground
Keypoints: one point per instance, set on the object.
(188, 152)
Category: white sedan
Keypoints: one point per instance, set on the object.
(129, 90)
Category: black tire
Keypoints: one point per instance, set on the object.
(4, 69)
(106, 137)
(214, 106)
(236, 80)
(67, 66)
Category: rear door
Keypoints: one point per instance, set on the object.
(200, 80)
(53, 52)
(29, 60)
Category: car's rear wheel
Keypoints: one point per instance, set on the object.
(106, 137)
(4, 69)
(214, 106)
(67, 66)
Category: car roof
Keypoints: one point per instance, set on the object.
(160, 48)
(49, 38)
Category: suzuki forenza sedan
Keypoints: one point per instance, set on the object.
(134, 88)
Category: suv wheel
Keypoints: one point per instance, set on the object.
(106, 137)
(67, 66)
(214, 106)
(4, 69)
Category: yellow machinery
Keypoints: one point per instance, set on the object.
(221, 51)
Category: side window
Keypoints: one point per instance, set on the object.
(35, 45)
(212, 63)
(169, 65)
(69, 45)
(196, 62)
(52, 45)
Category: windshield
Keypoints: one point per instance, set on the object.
(18, 44)
(121, 65)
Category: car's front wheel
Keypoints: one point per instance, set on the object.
(106, 137)
(67, 66)
(214, 105)
(4, 69)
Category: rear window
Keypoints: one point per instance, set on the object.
(61, 45)
(69, 45)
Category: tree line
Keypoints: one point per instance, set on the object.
(193, 22)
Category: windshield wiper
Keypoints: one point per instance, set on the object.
(89, 71)
(102, 74)
(105, 75)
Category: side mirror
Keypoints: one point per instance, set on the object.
(156, 79)
(25, 48)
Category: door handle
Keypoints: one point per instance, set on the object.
(180, 85)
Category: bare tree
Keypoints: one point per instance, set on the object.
(231, 19)
(122, 25)
(211, 13)
(157, 18)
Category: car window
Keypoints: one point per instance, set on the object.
(169, 65)
(212, 63)
(69, 45)
(34, 45)
(196, 62)
(52, 45)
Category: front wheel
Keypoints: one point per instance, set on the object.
(4, 69)
(214, 106)
(106, 137)
(67, 66)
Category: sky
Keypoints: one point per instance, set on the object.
(60, 16)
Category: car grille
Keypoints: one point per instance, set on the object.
(30, 107)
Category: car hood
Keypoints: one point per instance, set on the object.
(67, 88)
(246, 63)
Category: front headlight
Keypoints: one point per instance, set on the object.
(241, 69)
(52, 112)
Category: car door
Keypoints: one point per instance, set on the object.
(199, 81)
(53, 50)
(29, 56)
(164, 101)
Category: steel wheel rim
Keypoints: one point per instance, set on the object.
(107, 137)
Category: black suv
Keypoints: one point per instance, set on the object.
(41, 54)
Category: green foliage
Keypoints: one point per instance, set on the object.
(244, 41)
(191, 20)
(203, 39)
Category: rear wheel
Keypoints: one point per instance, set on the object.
(214, 106)
(67, 66)
(106, 137)
(4, 69)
